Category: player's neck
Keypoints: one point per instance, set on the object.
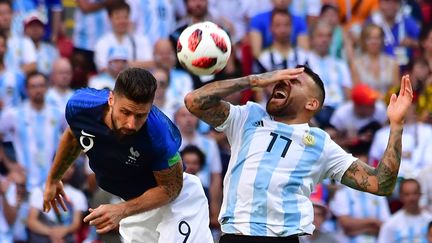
(37, 105)
(289, 120)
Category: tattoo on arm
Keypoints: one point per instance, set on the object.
(68, 151)
(380, 180)
(171, 180)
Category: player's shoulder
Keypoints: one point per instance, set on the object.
(160, 127)
(86, 99)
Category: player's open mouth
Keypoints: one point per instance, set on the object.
(279, 94)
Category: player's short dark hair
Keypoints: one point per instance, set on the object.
(136, 84)
(408, 180)
(280, 12)
(116, 6)
(33, 74)
(319, 83)
(192, 149)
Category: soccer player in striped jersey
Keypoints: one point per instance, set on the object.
(133, 150)
(277, 158)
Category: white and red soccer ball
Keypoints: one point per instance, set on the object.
(203, 48)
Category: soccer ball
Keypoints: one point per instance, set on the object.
(203, 48)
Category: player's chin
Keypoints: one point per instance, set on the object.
(276, 107)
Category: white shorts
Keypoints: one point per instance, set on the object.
(184, 220)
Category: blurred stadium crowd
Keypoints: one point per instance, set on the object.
(360, 49)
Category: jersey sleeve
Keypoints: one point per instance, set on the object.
(236, 118)
(336, 160)
(166, 140)
(83, 101)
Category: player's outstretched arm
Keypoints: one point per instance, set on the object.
(206, 102)
(68, 150)
(382, 180)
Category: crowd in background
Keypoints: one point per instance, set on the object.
(360, 49)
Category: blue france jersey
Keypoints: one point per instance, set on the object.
(122, 167)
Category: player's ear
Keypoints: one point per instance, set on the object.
(312, 104)
(111, 98)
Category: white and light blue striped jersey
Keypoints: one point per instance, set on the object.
(154, 19)
(11, 88)
(57, 99)
(46, 55)
(272, 171)
(405, 228)
(6, 231)
(102, 81)
(180, 84)
(89, 27)
(138, 48)
(20, 50)
(359, 205)
(35, 136)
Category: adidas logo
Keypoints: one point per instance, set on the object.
(259, 123)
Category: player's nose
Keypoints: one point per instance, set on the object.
(131, 123)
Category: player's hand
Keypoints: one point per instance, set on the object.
(399, 105)
(264, 79)
(54, 194)
(106, 217)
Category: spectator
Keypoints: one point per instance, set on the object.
(49, 10)
(359, 215)
(354, 13)
(9, 204)
(20, 51)
(35, 127)
(61, 77)
(46, 53)
(320, 214)
(11, 81)
(281, 54)
(160, 99)
(193, 159)
(154, 19)
(330, 14)
(356, 121)
(416, 146)
(91, 22)
(400, 32)
(410, 223)
(334, 72)
(117, 61)
(425, 180)
(179, 81)
(372, 66)
(260, 29)
(49, 227)
(139, 49)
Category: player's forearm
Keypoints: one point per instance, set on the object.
(211, 94)
(381, 180)
(154, 198)
(388, 168)
(170, 183)
(67, 152)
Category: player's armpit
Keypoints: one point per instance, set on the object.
(171, 179)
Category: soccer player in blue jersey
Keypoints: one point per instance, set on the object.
(133, 150)
(277, 158)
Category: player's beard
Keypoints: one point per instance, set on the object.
(118, 131)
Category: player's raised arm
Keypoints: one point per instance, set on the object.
(206, 102)
(68, 150)
(382, 180)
